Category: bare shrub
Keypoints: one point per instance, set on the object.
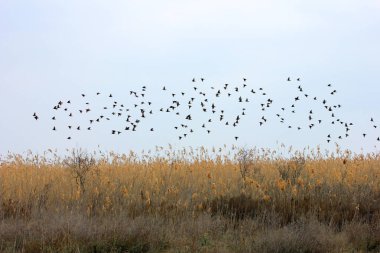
(292, 169)
(245, 161)
(80, 163)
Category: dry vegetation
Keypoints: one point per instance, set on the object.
(191, 201)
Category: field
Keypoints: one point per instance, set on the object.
(191, 200)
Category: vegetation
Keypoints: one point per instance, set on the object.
(192, 200)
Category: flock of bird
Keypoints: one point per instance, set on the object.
(204, 99)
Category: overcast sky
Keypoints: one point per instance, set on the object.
(57, 50)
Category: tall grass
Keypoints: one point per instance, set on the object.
(250, 190)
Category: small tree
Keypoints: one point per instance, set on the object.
(80, 163)
(245, 158)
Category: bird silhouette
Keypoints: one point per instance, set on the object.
(141, 108)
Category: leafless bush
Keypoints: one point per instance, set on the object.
(245, 158)
(81, 163)
(292, 169)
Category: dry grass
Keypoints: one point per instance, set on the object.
(191, 201)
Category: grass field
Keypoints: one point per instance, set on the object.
(193, 200)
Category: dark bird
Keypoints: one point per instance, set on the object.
(288, 79)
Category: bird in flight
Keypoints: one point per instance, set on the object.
(140, 109)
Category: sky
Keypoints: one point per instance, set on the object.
(57, 50)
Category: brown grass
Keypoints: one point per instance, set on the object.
(191, 201)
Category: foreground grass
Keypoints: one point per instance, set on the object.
(203, 233)
(191, 201)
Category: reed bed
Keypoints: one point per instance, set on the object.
(191, 200)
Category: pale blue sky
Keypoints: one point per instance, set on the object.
(52, 50)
